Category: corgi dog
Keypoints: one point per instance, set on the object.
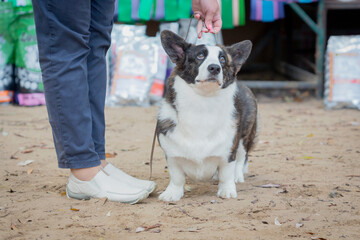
(207, 121)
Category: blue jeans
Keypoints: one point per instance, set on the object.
(73, 38)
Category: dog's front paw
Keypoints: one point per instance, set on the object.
(227, 191)
(172, 194)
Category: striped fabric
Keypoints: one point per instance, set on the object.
(270, 10)
(232, 13)
(131, 11)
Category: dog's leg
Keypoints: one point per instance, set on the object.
(216, 175)
(241, 164)
(175, 189)
(227, 187)
(246, 165)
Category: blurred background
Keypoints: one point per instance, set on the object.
(301, 48)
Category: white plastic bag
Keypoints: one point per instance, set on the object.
(342, 72)
(131, 67)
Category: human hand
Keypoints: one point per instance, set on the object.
(207, 11)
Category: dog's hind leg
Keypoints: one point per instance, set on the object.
(175, 189)
(241, 165)
(246, 165)
(227, 187)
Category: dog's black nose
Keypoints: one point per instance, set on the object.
(214, 69)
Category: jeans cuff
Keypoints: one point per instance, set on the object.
(80, 163)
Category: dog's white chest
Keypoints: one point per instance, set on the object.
(199, 171)
(204, 125)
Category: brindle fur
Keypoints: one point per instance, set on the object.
(245, 113)
(187, 65)
(165, 126)
(170, 94)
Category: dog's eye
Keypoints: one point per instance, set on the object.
(200, 56)
(222, 60)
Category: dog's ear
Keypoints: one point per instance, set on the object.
(174, 46)
(239, 52)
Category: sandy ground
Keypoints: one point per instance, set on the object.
(313, 154)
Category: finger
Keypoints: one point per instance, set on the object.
(199, 27)
(208, 21)
(204, 30)
(197, 15)
(217, 25)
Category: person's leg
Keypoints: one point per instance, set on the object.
(99, 42)
(62, 29)
(102, 12)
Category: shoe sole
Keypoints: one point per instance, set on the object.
(152, 188)
(140, 199)
(80, 196)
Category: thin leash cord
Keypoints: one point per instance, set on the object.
(188, 29)
(152, 149)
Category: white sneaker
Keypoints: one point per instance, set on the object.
(122, 176)
(104, 185)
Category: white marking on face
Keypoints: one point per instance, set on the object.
(211, 58)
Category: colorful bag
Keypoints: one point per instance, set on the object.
(6, 53)
(28, 79)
